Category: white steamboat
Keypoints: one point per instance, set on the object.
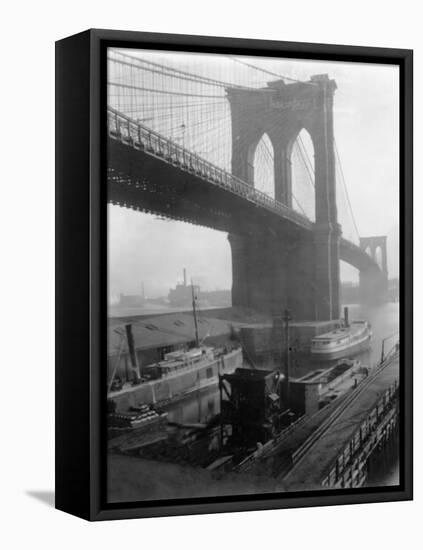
(347, 340)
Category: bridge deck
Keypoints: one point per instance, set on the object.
(310, 471)
(150, 172)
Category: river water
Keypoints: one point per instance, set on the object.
(384, 319)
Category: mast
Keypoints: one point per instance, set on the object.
(194, 312)
(287, 318)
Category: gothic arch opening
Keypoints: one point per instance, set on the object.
(378, 256)
(302, 175)
(368, 251)
(263, 167)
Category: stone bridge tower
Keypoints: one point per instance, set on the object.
(300, 273)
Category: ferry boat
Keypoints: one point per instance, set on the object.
(349, 339)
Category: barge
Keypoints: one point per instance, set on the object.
(178, 375)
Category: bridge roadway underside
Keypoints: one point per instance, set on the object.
(273, 258)
(146, 183)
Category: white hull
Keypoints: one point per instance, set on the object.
(179, 383)
(345, 350)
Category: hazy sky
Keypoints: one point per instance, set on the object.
(144, 248)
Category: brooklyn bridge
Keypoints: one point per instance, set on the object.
(250, 152)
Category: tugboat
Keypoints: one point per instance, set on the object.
(136, 417)
(135, 428)
(349, 339)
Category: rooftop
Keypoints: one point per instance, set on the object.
(165, 330)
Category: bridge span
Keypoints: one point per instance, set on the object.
(272, 245)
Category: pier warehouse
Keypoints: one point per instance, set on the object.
(160, 334)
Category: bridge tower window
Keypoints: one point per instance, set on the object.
(302, 174)
(378, 256)
(263, 167)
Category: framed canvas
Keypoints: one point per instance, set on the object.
(234, 274)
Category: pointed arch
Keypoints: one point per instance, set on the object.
(378, 256)
(301, 150)
(262, 166)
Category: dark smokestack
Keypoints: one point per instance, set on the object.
(185, 277)
(346, 320)
(133, 355)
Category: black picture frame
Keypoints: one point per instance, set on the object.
(81, 254)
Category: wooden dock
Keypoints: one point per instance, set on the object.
(335, 455)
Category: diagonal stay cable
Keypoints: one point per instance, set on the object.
(345, 187)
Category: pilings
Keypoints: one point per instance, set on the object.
(350, 467)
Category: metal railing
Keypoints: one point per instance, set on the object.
(131, 132)
(365, 438)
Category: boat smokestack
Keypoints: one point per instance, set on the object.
(194, 312)
(346, 319)
(185, 277)
(132, 355)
